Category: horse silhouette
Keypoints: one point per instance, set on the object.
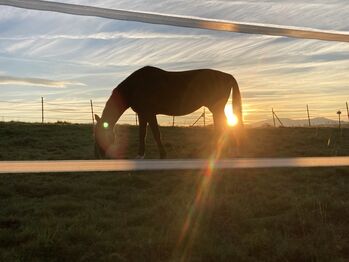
(150, 91)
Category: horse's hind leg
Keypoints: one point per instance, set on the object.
(142, 133)
(219, 119)
(156, 133)
(220, 124)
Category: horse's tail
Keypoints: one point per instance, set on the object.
(237, 103)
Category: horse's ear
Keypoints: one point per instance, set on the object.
(97, 117)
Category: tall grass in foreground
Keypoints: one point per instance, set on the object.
(254, 215)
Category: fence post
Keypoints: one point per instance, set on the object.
(42, 110)
(272, 112)
(92, 114)
(308, 115)
(347, 110)
(173, 121)
(339, 118)
(136, 119)
(204, 116)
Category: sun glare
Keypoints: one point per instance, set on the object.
(232, 120)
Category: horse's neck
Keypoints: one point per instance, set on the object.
(114, 108)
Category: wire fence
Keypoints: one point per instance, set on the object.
(46, 111)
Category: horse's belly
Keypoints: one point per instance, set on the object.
(176, 112)
(178, 108)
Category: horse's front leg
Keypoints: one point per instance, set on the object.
(142, 133)
(156, 133)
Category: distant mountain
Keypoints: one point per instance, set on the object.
(318, 121)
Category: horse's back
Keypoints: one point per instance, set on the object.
(201, 79)
(176, 92)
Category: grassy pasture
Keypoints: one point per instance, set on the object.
(24, 141)
(232, 215)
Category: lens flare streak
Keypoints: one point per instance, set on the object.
(199, 207)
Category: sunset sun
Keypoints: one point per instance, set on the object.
(232, 120)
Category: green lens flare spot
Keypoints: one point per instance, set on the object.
(105, 125)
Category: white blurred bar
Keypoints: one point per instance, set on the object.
(182, 21)
(173, 164)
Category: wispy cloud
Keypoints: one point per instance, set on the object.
(12, 80)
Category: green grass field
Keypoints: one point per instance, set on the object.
(24, 141)
(233, 215)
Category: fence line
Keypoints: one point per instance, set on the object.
(48, 111)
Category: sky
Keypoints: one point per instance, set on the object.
(69, 60)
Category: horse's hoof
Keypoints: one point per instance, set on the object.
(139, 157)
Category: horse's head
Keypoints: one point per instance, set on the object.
(103, 136)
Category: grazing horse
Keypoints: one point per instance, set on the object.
(150, 91)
